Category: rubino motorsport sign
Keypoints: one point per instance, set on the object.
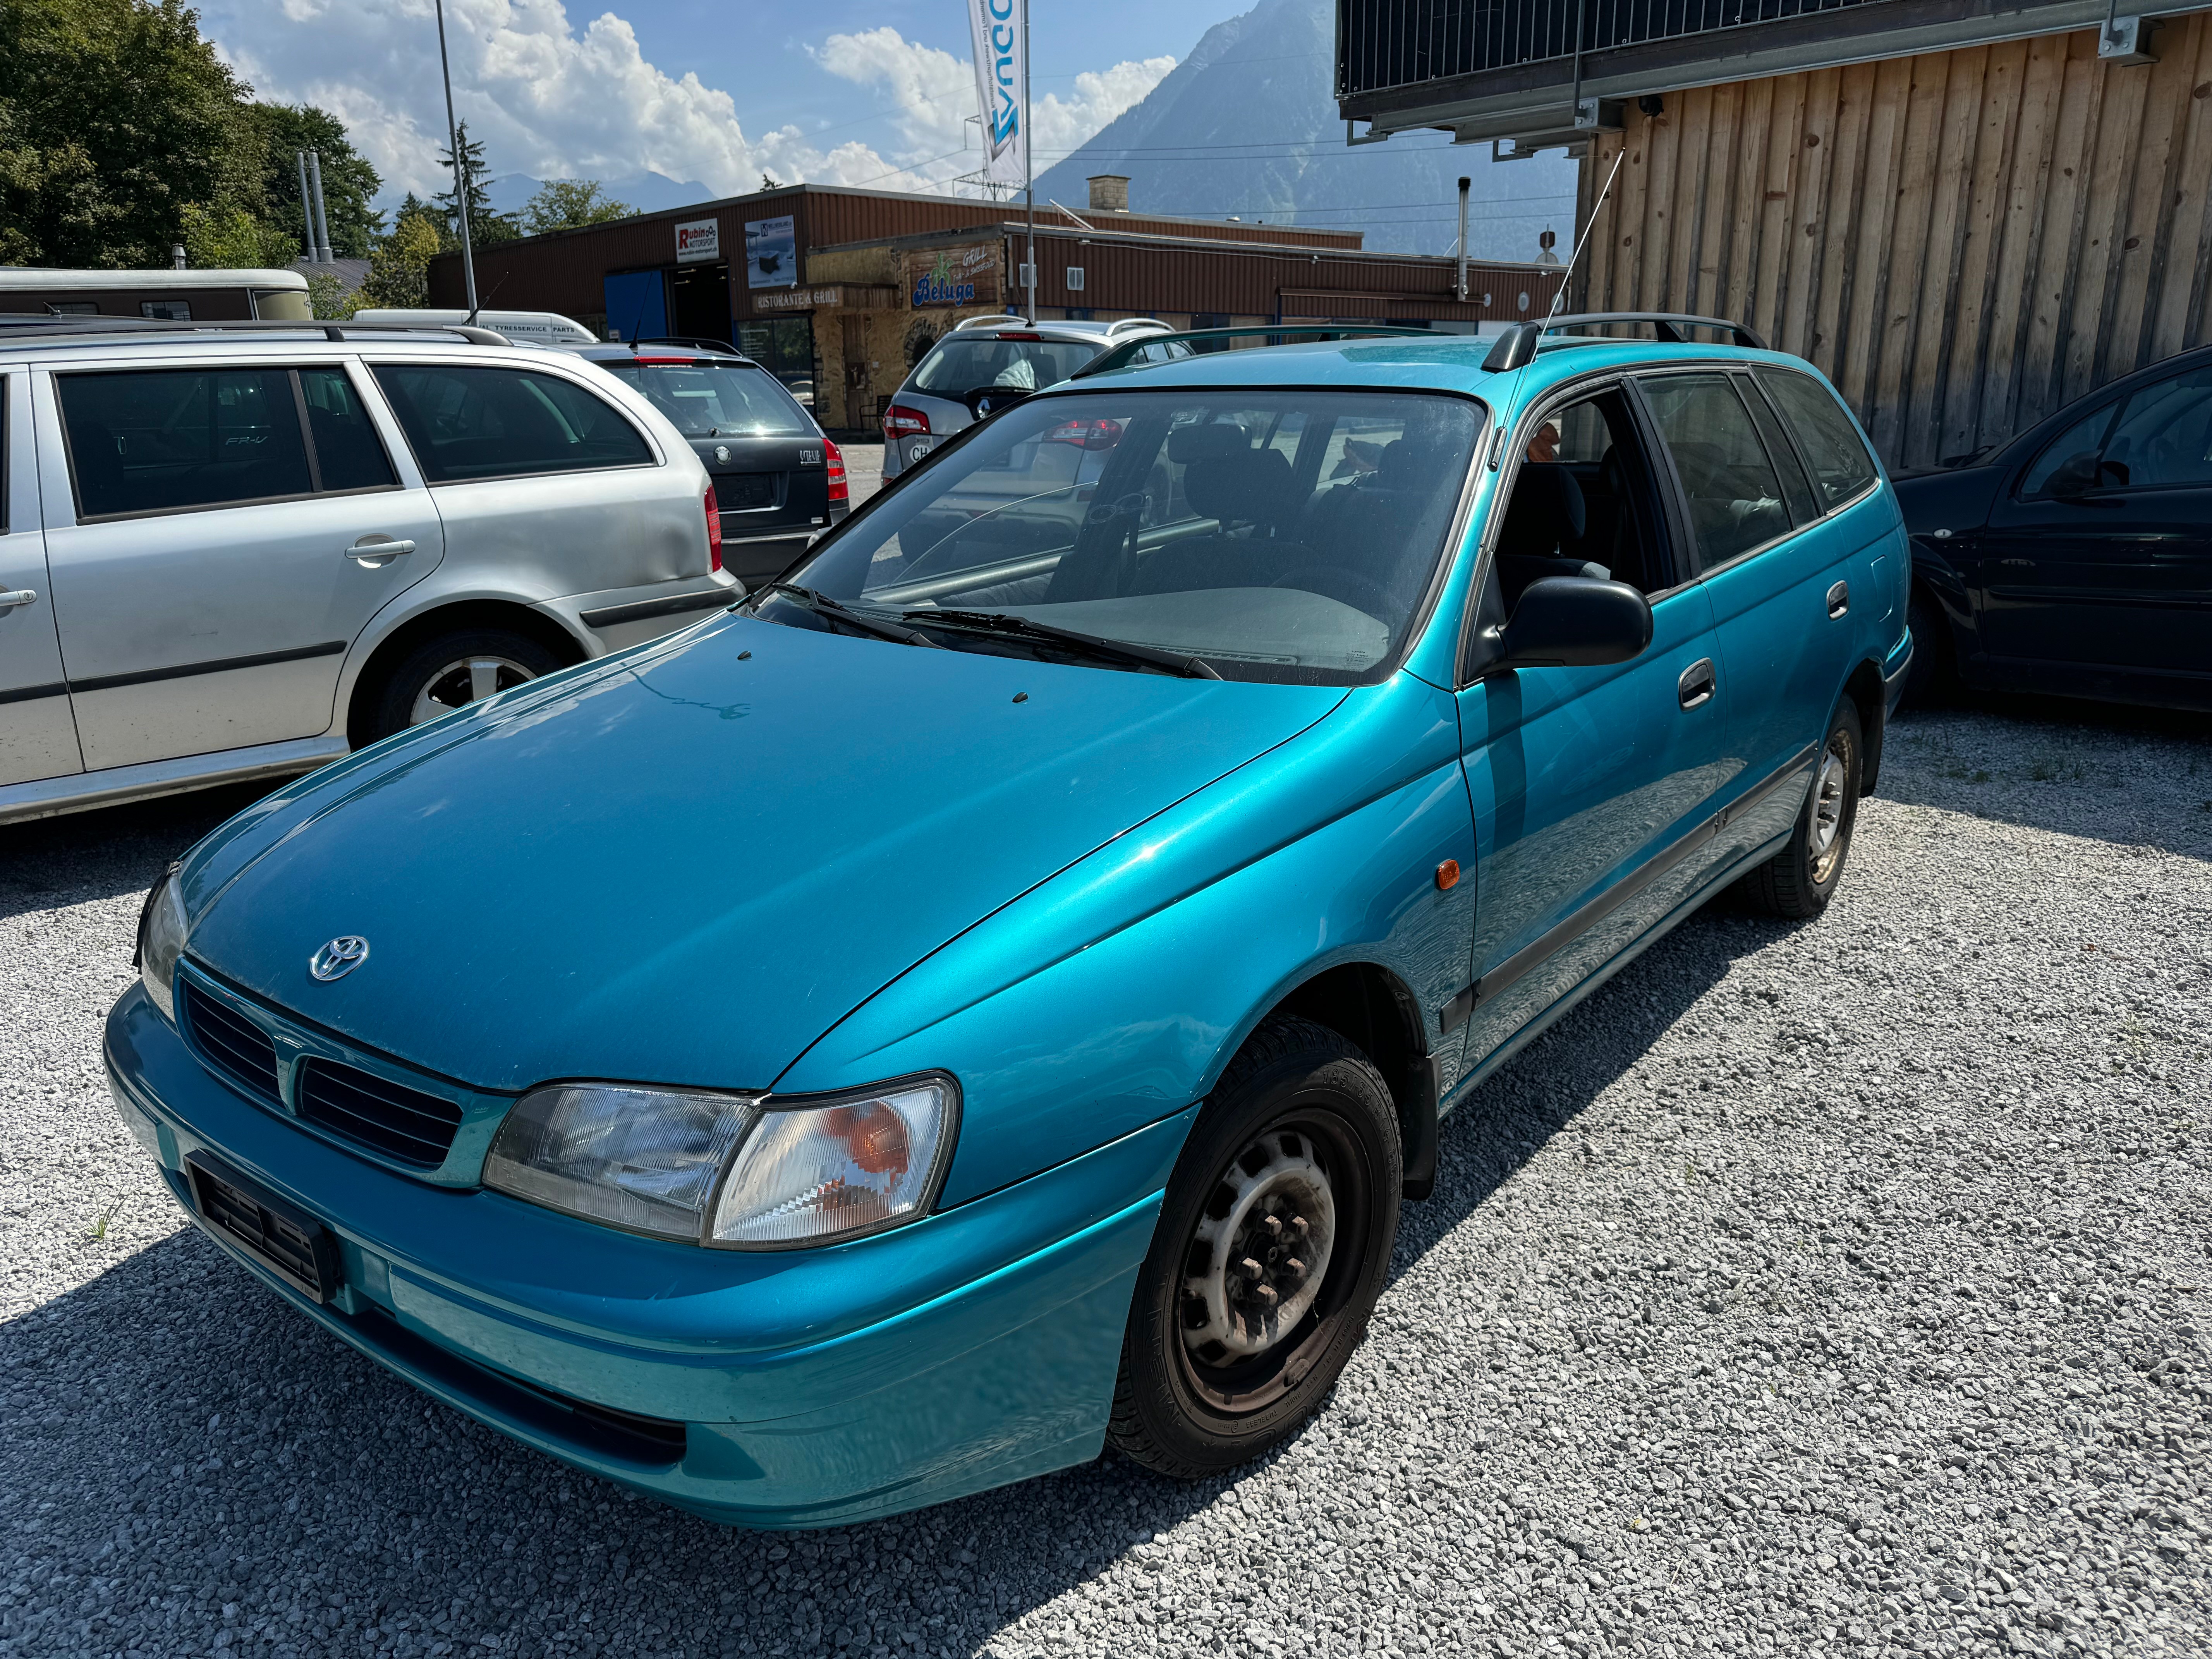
(698, 241)
(966, 276)
(1001, 31)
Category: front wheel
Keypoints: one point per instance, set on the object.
(1273, 1245)
(454, 671)
(1799, 881)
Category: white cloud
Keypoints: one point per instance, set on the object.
(552, 100)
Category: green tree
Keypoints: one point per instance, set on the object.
(349, 182)
(486, 228)
(233, 239)
(329, 299)
(399, 268)
(570, 204)
(114, 115)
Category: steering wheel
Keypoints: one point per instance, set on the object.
(1346, 586)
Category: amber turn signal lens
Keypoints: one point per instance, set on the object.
(1447, 875)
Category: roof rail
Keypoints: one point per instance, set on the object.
(16, 325)
(1117, 356)
(996, 320)
(1517, 345)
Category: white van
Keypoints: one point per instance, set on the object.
(523, 327)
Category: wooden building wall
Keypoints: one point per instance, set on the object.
(1962, 241)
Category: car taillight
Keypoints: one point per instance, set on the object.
(838, 490)
(713, 531)
(900, 421)
(1085, 435)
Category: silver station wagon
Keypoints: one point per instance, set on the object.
(238, 552)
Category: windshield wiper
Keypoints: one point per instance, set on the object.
(997, 622)
(880, 627)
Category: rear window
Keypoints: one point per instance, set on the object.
(717, 400)
(467, 422)
(961, 364)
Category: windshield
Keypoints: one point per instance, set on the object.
(1278, 535)
(960, 364)
(717, 400)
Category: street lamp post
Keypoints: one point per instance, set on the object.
(461, 169)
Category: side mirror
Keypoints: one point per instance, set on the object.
(1574, 622)
(2077, 475)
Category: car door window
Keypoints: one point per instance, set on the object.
(466, 423)
(1729, 480)
(1842, 466)
(2160, 438)
(348, 455)
(1804, 504)
(158, 440)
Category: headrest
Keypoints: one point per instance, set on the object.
(1251, 486)
(1410, 463)
(1546, 509)
(1204, 443)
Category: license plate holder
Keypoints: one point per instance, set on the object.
(745, 492)
(283, 1238)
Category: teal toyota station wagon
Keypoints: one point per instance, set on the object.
(984, 997)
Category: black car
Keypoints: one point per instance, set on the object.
(778, 479)
(2075, 560)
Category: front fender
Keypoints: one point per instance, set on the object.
(1114, 994)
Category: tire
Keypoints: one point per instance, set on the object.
(451, 672)
(1301, 1130)
(1933, 675)
(1799, 881)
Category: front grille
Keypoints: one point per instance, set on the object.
(240, 1047)
(400, 1122)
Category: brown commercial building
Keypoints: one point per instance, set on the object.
(845, 288)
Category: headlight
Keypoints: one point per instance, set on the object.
(654, 1160)
(161, 942)
(646, 1159)
(835, 1169)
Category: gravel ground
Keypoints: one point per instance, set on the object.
(1829, 1291)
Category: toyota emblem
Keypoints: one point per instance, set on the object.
(339, 957)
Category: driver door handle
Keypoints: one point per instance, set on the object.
(1697, 685)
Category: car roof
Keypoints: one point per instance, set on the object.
(622, 351)
(1447, 363)
(29, 339)
(1090, 332)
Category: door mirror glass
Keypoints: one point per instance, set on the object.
(1575, 622)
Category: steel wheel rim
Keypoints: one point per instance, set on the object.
(1311, 1158)
(463, 681)
(1828, 806)
(1265, 1259)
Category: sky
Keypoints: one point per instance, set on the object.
(831, 92)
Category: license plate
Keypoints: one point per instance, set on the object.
(291, 1244)
(920, 447)
(735, 491)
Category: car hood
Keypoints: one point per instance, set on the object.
(683, 865)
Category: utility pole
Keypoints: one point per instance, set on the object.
(1029, 166)
(461, 169)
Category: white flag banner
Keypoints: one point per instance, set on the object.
(1001, 77)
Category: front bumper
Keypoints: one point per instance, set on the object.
(794, 1389)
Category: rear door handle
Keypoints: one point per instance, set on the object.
(10, 600)
(1697, 684)
(1840, 600)
(374, 551)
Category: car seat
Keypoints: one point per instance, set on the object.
(1546, 512)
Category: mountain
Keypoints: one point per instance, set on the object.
(648, 193)
(1245, 126)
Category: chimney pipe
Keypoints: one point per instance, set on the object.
(307, 205)
(322, 224)
(1461, 290)
(177, 255)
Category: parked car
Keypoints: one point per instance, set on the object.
(1092, 935)
(2077, 558)
(240, 551)
(521, 327)
(988, 362)
(778, 477)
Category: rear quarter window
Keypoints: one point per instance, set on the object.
(467, 422)
(1841, 463)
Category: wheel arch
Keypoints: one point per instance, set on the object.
(1372, 1008)
(449, 617)
(1865, 688)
